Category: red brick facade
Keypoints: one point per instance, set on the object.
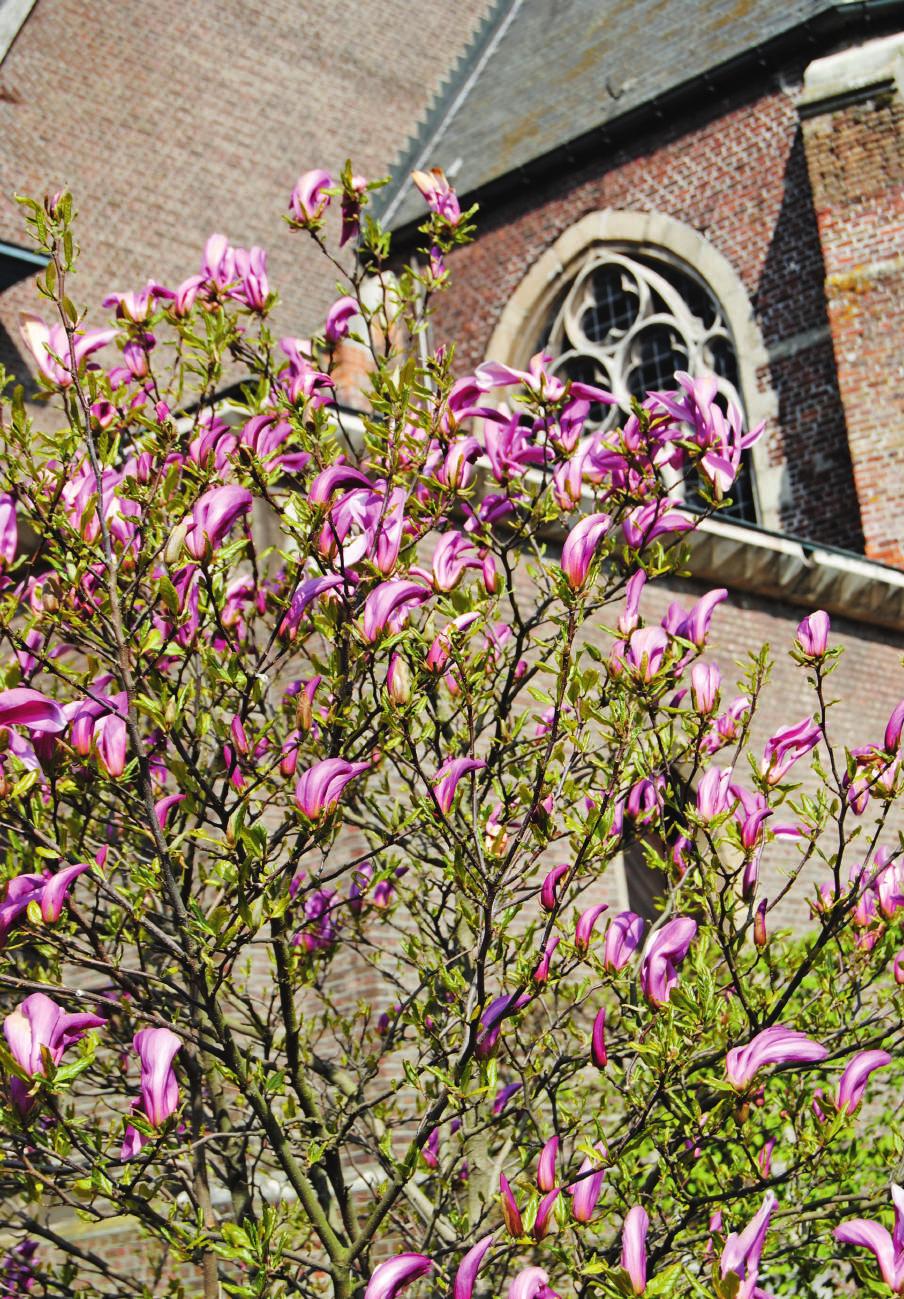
(738, 176)
(856, 163)
(171, 121)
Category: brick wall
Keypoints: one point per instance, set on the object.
(177, 120)
(737, 174)
(856, 162)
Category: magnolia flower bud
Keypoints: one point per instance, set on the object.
(759, 925)
(176, 542)
(398, 680)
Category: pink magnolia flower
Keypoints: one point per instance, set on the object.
(544, 1213)
(454, 554)
(250, 269)
(785, 747)
(854, 1079)
(511, 1214)
(585, 926)
(628, 620)
(319, 789)
(541, 971)
(159, 1097)
(50, 347)
(37, 1025)
(22, 706)
(667, 947)
(447, 778)
(398, 680)
(546, 1165)
(56, 891)
(389, 603)
(164, 806)
(705, 681)
(647, 522)
(894, 729)
(438, 193)
(9, 531)
(339, 319)
(212, 517)
(580, 547)
(624, 935)
(351, 209)
(813, 634)
(538, 380)
(395, 1274)
(634, 1247)
(309, 199)
(714, 793)
(550, 884)
(585, 1193)
(742, 1250)
(598, 1053)
(645, 652)
(531, 1283)
(694, 625)
(774, 1045)
(466, 1275)
(887, 1247)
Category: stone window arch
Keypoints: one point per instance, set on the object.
(623, 299)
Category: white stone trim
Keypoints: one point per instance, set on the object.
(852, 74)
(524, 314)
(12, 18)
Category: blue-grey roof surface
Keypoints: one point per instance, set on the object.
(541, 73)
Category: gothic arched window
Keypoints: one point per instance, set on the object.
(628, 319)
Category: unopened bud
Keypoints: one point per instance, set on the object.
(759, 925)
(398, 680)
(176, 541)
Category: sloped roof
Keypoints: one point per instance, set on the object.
(542, 74)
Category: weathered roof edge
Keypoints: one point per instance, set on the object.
(843, 17)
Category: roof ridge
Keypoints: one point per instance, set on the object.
(444, 101)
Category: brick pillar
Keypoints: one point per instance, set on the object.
(852, 113)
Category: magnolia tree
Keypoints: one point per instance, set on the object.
(320, 734)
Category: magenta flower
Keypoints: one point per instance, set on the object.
(21, 890)
(813, 634)
(351, 209)
(648, 522)
(598, 1052)
(548, 897)
(628, 620)
(56, 891)
(454, 554)
(37, 1025)
(774, 1045)
(541, 972)
(159, 1097)
(585, 1192)
(714, 796)
(447, 778)
(580, 547)
(634, 1247)
(212, 517)
(491, 1020)
(504, 1095)
(785, 747)
(164, 806)
(705, 681)
(466, 1275)
(334, 478)
(319, 789)
(388, 604)
(544, 1213)
(894, 729)
(667, 947)
(854, 1079)
(50, 347)
(742, 1250)
(546, 1165)
(307, 591)
(531, 1283)
(29, 708)
(339, 319)
(585, 925)
(888, 1248)
(510, 1212)
(9, 531)
(395, 1274)
(250, 269)
(623, 937)
(309, 199)
(645, 652)
(438, 194)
